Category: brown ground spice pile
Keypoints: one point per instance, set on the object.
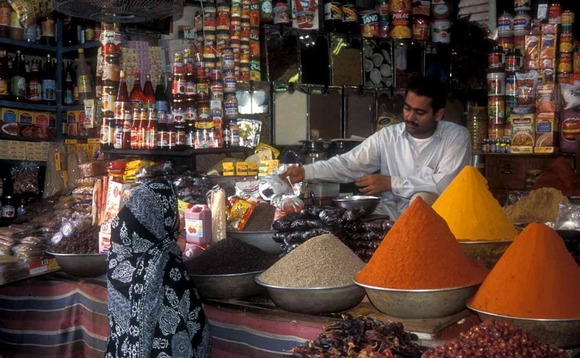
(540, 205)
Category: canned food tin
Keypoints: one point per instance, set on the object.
(111, 70)
(565, 63)
(510, 84)
(555, 13)
(495, 131)
(519, 42)
(567, 17)
(441, 31)
(566, 42)
(505, 25)
(507, 43)
(496, 84)
(399, 5)
(400, 26)
(522, 23)
(496, 109)
(420, 28)
(369, 23)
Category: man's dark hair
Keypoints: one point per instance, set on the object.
(428, 86)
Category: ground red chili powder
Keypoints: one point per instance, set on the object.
(535, 278)
(420, 252)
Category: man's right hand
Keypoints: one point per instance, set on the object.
(295, 173)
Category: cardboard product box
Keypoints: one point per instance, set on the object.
(105, 237)
(228, 169)
(72, 124)
(42, 121)
(546, 126)
(115, 198)
(241, 168)
(252, 168)
(523, 133)
(9, 122)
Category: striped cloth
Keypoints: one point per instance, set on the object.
(59, 316)
(52, 317)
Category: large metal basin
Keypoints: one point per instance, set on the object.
(316, 300)
(227, 286)
(82, 265)
(563, 333)
(419, 303)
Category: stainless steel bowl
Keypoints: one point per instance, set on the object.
(419, 303)
(82, 265)
(486, 252)
(563, 333)
(367, 202)
(238, 285)
(261, 239)
(316, 300)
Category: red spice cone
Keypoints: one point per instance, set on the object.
(535, 278)
(420, 252)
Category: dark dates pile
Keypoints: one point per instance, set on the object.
(359, 337)
(495, 339)
(361, 236)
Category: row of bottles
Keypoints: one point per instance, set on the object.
(32, 80)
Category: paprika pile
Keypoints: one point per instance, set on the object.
(420, 252)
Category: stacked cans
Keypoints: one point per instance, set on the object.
(565, 63)
(496, 91)
(110, 61)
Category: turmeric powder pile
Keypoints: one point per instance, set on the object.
(471, 211)
(535, 278)
(420, 252)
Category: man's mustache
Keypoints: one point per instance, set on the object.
(411, 123)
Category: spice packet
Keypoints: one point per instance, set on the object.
(249, 130)
(526, 83)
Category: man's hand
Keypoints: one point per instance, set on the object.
(296, 174)
(373, 184)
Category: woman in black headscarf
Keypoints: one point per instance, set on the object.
(153, 309)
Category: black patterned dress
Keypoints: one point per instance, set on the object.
(153, 309)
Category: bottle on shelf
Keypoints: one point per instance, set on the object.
(161, 103)
(162, 130)
(151, 130)
(332, 16)
(123, 111)
(148, 93)
(18, 82)
(135, 125)
(169, 91)
(84, 83)
(136, 95)
(74, 67)
(4, 75)
(47, 30)
(68, 97)
(34, 82)
(69, 31)
(142, 131)
(99, 84)
(350, 23)
(48, 82)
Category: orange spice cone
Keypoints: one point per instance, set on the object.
(471, 211)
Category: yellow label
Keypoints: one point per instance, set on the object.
(71, 141)
(93, 141)
(57, 162)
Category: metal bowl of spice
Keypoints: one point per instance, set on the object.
(227, 286)
(261, 239)
(563, 333)
(82, 265)
(314, 300)
(366, 202)
(431, 303)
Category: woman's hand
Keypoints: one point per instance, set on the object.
(373, 184)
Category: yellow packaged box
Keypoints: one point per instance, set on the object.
(252, 168)
(546, 125)
(522, 133)
(241, 168)
(228, 169)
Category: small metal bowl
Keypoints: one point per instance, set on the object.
(486, 252)
(82, 265)
(563, 333)
(227, 286)
(261, 239)
(314, 300)
(420, 304)
(367, 202)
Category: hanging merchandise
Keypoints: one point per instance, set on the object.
(350, 17)
(369, 23)
(441, 9)
(420, 28)
(441, 30)
(332, 16)
(401, 25)
(281, 12)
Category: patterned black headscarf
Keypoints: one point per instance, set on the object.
(153, 309)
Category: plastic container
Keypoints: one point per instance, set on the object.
(198, 225)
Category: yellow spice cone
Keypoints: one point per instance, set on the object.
(471, 211)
